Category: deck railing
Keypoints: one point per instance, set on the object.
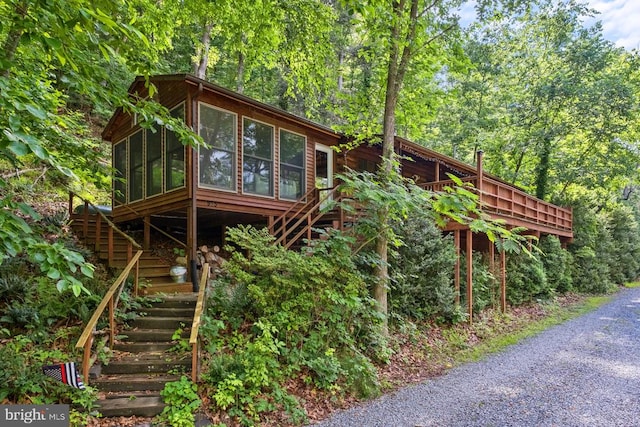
(111, 299)
(195, 326)
(505, 200)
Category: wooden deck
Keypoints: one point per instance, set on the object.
(517, 208)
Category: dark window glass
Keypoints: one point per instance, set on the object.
(154, 163)
(292, 155)
(174, 161)
(120, 172)
(217, 163)
(257, 165)
(136, 178)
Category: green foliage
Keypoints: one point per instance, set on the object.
(294, 314)
(421, 271)
(557, 264)
(625, 253)
(22, 380)
(592, 247)
(182, 400)
(526, 279)
(485, 286)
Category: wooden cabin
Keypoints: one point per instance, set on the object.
(262, 164)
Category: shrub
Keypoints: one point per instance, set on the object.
(485, 286)
(421, 271)
(557, 264)
(526, 278)
(300, 314)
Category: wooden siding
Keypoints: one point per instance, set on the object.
(499, 199)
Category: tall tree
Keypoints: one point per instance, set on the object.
(58, 59)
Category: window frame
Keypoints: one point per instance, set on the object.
(303, 168)
(234, 161)
(165, 154)
(272, 160)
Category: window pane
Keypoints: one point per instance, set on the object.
(257, 139)
(291, 148)
(154, 163)
(257, 176)
(174, 161)
(291, 182)
(218, 128)
(217, 163)
(292, 162)
(135, 167)
(217, 168)
(120, 172)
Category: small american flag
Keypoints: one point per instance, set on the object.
(65, 372)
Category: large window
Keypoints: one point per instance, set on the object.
(154, 162)
(257, 164)
(120, 172)
(218, 129)
(292, 157)
(136, 177)
(174, 160)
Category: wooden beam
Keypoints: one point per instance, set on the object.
(492, 263)
(470, 275)
(456, 272)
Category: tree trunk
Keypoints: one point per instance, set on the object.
(542, 173)
(200, 67)
(12, 40)
(240, 74)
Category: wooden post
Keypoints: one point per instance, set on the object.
(492, 267)
(470, 275)
(112, 322)
(194, 363)
(147, 233)
(192, 243)
(85, 225)
(456, 273)
(98, 233)
(86, 358)
(437, 177)
(110, 246)
(136, 279)
(503, 281)
(70, 203)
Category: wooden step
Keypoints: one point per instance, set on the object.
(164, 287)
(133, 382)
(127, 407)
(144, 346)
(176, 301)
(167, 311)
(152, 322)
(150, 335)
(160, 363)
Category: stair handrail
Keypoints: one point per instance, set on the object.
(109, 222)
(303, 202)
(197, 316)
(86, 338)
(155, 227)
(282, 239)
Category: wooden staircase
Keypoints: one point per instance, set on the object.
(145, 357)
(317, 210)
(154, 271)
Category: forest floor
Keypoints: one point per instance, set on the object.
(421, 352)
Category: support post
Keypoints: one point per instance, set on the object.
(470, 275)
(192, 242)
(492, 267)
(146, 244)
(479, 155)
(503, 281)
(437, 177)
(456, 273)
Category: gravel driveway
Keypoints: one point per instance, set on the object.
(585, 372)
